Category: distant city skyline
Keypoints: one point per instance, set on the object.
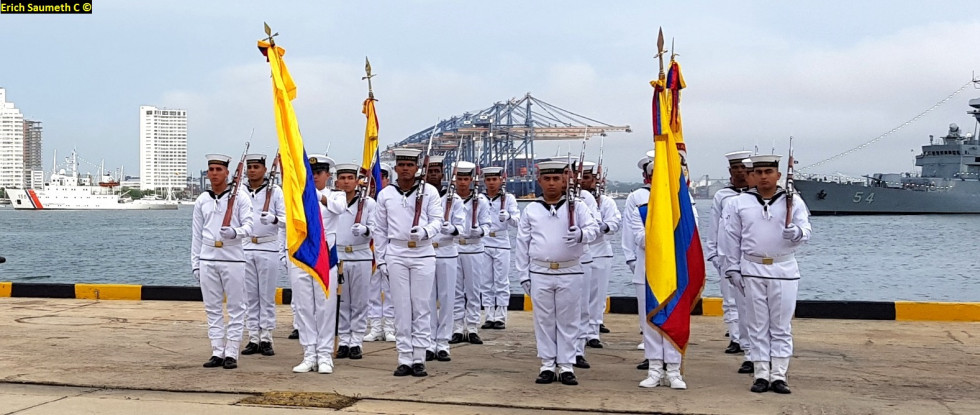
(832, 74)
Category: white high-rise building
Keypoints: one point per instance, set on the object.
(11, 144)
(163, 148)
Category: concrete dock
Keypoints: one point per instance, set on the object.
(69, 356)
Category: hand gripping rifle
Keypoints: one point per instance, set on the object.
(235, 185)
(363, 186)
(790, 188)
(420, 192)
(272, 177)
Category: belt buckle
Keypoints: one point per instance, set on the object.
(493, 234)
(767, 261)
(462, 242)
(218, 244)
(435, 244)
(554, 265)
(348, 249)
(255, 240)
(412, 244)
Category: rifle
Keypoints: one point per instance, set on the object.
(272, 177)
(421, 179)
(503, 185)
(600, 175)
(575, 184)
(790, 189)
(236, 184)
(363, 185)
(451, 192)
(475, 195)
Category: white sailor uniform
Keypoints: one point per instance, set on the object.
(473, 284)
(443, 297)
(602, 255)
(357, 261)
(263, 250)
(585, 200)
(497, 248)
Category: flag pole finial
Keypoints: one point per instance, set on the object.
(672, 54)
(271, 36)
(367, 70)
(660, 52)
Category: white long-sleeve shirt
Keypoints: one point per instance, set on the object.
(754, 228)
(499, 236)
(209, 213)
(447, 243)
(609, 215)
(394, 217)
(277, 208)
(469, 239)
(346, 238)
(541, 236)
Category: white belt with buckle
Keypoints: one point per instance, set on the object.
(765, 260)
(221, 244)
(410, 244)
(263, 239)
(493, 234)
(470, 241)
(352, 248)
(555, 265)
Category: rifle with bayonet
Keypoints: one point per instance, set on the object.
(420, 192)
(790, 188)
(451, 191)
(236, 185)
(475, 195)
(272, 177)
(575, 183)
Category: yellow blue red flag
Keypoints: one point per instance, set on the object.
(371, 161)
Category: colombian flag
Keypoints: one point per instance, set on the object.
(674, 261)
(371, 160)
(305, 239)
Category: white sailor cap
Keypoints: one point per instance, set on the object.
(218, 159)
(747, 163)
(646, 163)
(492, 171)
(320, 162)
(407, 154)
(436, 159)
(563, 159)
(736, 157)
(588, 166)
(348, 168)
(387, 170)
(768, 160)
(464, 168)
(255, 158)
(552, 167)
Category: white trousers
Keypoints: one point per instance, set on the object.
(498, 265)
(743, 316)
(441, 303)
(262, 270)
(598, 286)
(556, 310)
(379, 302)
(583, 308)
(655, 346)
(470, 287)
(352, 325)
(411, 281)
(770, 304)
(316, 313)
(220, 280)
(729, 307)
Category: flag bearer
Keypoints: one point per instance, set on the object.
(548, 261)
(473, 285)
(759, 259)
(218, 261)
(609, 220)
(316, 310)
(407, 259)
(444, 290)
(381, 309)
(503, 214)
(356, 259)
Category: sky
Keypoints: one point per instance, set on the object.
(832, 74)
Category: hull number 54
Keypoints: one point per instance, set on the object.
(859, 196)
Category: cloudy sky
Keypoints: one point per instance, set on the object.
(832, 74)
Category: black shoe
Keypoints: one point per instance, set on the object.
(780, 386)
(499, 325)
(603, 329)
(457, 338)
(250, 348)
(568, 378)
(266, 349)
(443, 356)
(230, 363)
(343, 352)
(294, 335)
(747, 367)
(726, 333)
(644, 365)
(760, 385)
(429, 356)
(545, 377)
(487, 325)
(418, 370)
(594, 343)
(733, 348)
(475, 338)
(403, 370)
(215, 361)
(581, 363)
(356, 353)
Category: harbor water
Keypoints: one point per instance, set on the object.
(874, 258)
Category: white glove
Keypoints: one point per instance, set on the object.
(573, 236)
(383, 270)
(632, 265)
(447, 229)
(197, 275)
(526, 285)
(359, 229)
(604, 228)
(792, 232)
(735, 278)
(640, 241)
(503, 216)
(476, 232)
(266, 218)
(417, 233)
(227, 232)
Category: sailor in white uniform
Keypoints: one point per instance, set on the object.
(737, 184)
(263, 251)
(444, 290)
(405, 255)
(381, 309)
(218, 261)
(657, 349)
(602, 254)
(759, 259)
(548, 261)
(316, 311)
(356, 260)
(473, 283)
(504, 213)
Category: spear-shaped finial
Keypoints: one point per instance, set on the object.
(367, 70)
(660, 52)
(672, 54)
(268, 32)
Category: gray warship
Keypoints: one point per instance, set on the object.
(948, 184)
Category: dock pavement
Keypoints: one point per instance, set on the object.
(69, 356)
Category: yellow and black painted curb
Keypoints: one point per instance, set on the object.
(858, 310)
